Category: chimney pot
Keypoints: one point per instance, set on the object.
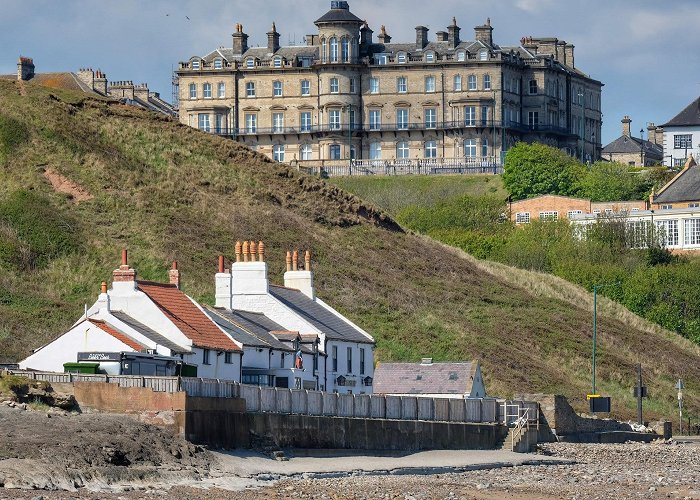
(221, 263)
(238, 251)
(246, 251)
(174, 275)
(295, 261)
(253, 251)
(103, 287)
(261, 251)
(125, 257)
(307, 261)
(289, 261)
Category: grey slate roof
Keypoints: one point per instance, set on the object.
(334, 327)
(338, 15)
(418, 378)
(251, 329)
(147, 332)
(690, 116)
(684, 187)
(627, 144)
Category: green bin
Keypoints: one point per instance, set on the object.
(86, 368)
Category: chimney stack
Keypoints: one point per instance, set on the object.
(248, 277)
(421, 37)
(626, 126)
(365, 37)
(442, 36)
(273, 40)
(240, 41)
(569, 55)
(103, 299)
(453, 34)
(484, 33)
(174, 275)
(300, 280)
(25, 68)
(383, 37)
(222, 285)
(659, 136)
(124, 278)
(100, 82)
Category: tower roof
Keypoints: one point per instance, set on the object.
(339, 13)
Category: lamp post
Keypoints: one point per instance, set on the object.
(680, 387)
(641, 145)
(350, 123)
(595, 324)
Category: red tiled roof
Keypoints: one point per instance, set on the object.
(189, 318)
(123, 338)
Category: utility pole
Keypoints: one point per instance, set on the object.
(595, 324)
(641, 392)
(680, 388)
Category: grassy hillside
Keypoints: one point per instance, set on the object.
(167, 192)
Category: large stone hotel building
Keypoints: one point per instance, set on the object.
(345, 94)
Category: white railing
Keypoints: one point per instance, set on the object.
(427, 166)
(316, 403)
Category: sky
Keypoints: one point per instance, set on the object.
(644, 51)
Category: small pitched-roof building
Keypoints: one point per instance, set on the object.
(144, 317)
(683, 191)
(682, 135)
(346, 352)
(453, 380)
(636, 151)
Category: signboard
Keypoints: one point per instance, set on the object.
(99, 356)
(599, 404)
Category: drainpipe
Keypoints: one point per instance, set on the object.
(442, 91)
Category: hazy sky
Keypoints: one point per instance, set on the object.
(644, 51)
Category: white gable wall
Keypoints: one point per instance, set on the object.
(672, 154)
(217, 367)
(352, 376)
(84, 337)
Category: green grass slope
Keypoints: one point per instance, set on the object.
(168, 192)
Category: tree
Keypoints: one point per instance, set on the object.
(612, 181)
(535, 169)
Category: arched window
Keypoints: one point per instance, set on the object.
(458, 83)
(324, 56)
(346, 50)
(402, 150)
(334, 49)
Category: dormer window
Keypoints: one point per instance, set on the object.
(218, 64)
(250, 63)
(278, 62)
(430, 57)
(401, 58)
(483, 55)
(461, 56)
(380, 59)
(195, 64)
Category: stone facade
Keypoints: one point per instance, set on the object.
(346, 95)
(635, 151)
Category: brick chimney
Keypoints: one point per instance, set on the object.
(248, 273)
(240, 41)
(421, 37)
(453, 34)
(273, 40)
(484, 33)
(124, 277)
(25, 68)
(383, 36)
(174, 275)
(302, 280)
(626, 126)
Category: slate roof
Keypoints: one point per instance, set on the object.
(250, 329)
(418, 378)
(331, 325)
(62, 80)
(683, 187)
(690, 116)
(627, 144)
(189, 318)
(120, 336)
(338, 15)
(147, 332)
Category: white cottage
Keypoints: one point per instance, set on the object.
(143, 317)
(346, 352)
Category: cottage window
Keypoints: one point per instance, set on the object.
(227, 358)
(683, 141)
(549, 215)
(572, 213)
(349, 351)
(334, 356)
(205, 356)
(362, 361)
